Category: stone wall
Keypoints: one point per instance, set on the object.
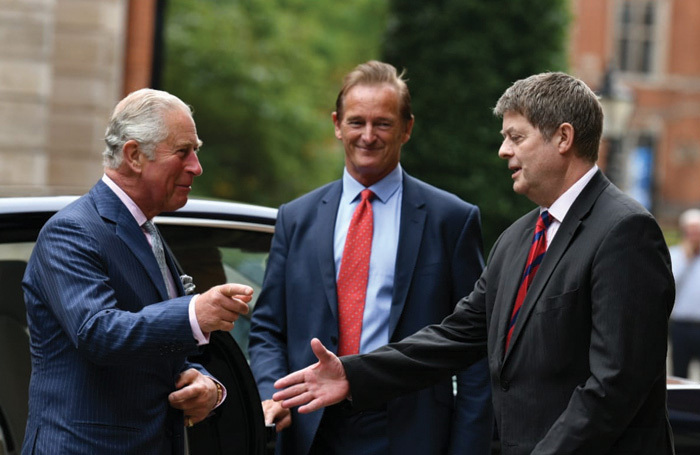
(61, 72)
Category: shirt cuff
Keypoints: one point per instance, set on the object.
(201, 338)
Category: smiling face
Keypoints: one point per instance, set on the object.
(538, 168)
(372, 131)
(166, 182)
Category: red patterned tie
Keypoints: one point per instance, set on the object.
(352, 278)
(534, 258)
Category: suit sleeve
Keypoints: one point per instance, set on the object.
(268, 337)
(77, 288)
(472, 424)
(631, 298)
(431, 354)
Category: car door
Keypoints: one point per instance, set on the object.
(213, 253)
(215, 243)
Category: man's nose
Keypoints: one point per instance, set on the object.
(193, 164)
(368, 134)
(504, 151)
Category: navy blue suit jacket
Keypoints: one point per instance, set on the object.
(438, 260)
(107, 345)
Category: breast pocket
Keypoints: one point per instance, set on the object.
(560, 329)
(567, 301)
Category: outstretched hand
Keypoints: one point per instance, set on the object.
(319, 385)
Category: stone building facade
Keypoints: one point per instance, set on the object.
(63, 66)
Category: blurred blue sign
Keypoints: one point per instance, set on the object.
(640, 175)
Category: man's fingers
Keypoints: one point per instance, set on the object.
(240, 291)
(186, 377)
(305, 400)
(276, 414)
(292, 390)
(179, 398)
(220, 306)
(314, 405)
(293, 378)
(283, 423)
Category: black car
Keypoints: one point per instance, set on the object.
(214, 242)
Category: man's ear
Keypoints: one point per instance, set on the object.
(565, 137)
(336, 125)
(132, 155)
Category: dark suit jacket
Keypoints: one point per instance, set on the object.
(105, 352)
(585, 371)
(438, 260)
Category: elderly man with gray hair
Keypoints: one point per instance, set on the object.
(684, 326)
(111, 325)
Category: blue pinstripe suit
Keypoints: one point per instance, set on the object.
(107, 345)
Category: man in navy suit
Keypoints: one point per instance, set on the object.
(425, 254)
(580, 366)
(110, 324)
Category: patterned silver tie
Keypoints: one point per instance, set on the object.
(157, 247)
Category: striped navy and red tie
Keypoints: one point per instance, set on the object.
(534, 258)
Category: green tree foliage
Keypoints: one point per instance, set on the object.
(459, 56)
(262, 76)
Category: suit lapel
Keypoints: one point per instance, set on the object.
(410, 236)
(110, 207)
(565, 235)
(324, 232)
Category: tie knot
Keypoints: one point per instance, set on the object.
(149, 227)
(366, 195)
(544, 220)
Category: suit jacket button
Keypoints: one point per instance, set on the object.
(334, 340)
(505, 385)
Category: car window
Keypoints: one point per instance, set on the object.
(213, 256)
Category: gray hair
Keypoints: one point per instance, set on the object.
(690, 216)
(139, 117)
(547, 100)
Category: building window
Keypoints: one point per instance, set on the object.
(636, 25)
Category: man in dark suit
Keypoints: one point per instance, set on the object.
(425, 254)
(578, 360)
(109, 320)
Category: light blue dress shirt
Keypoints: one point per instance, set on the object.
(386, 208)
(687, 275)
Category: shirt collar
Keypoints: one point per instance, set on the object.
(561, 206)
(383, 189)
(126, 200)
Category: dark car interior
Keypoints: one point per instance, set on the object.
(211, 256)
(14, 355)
